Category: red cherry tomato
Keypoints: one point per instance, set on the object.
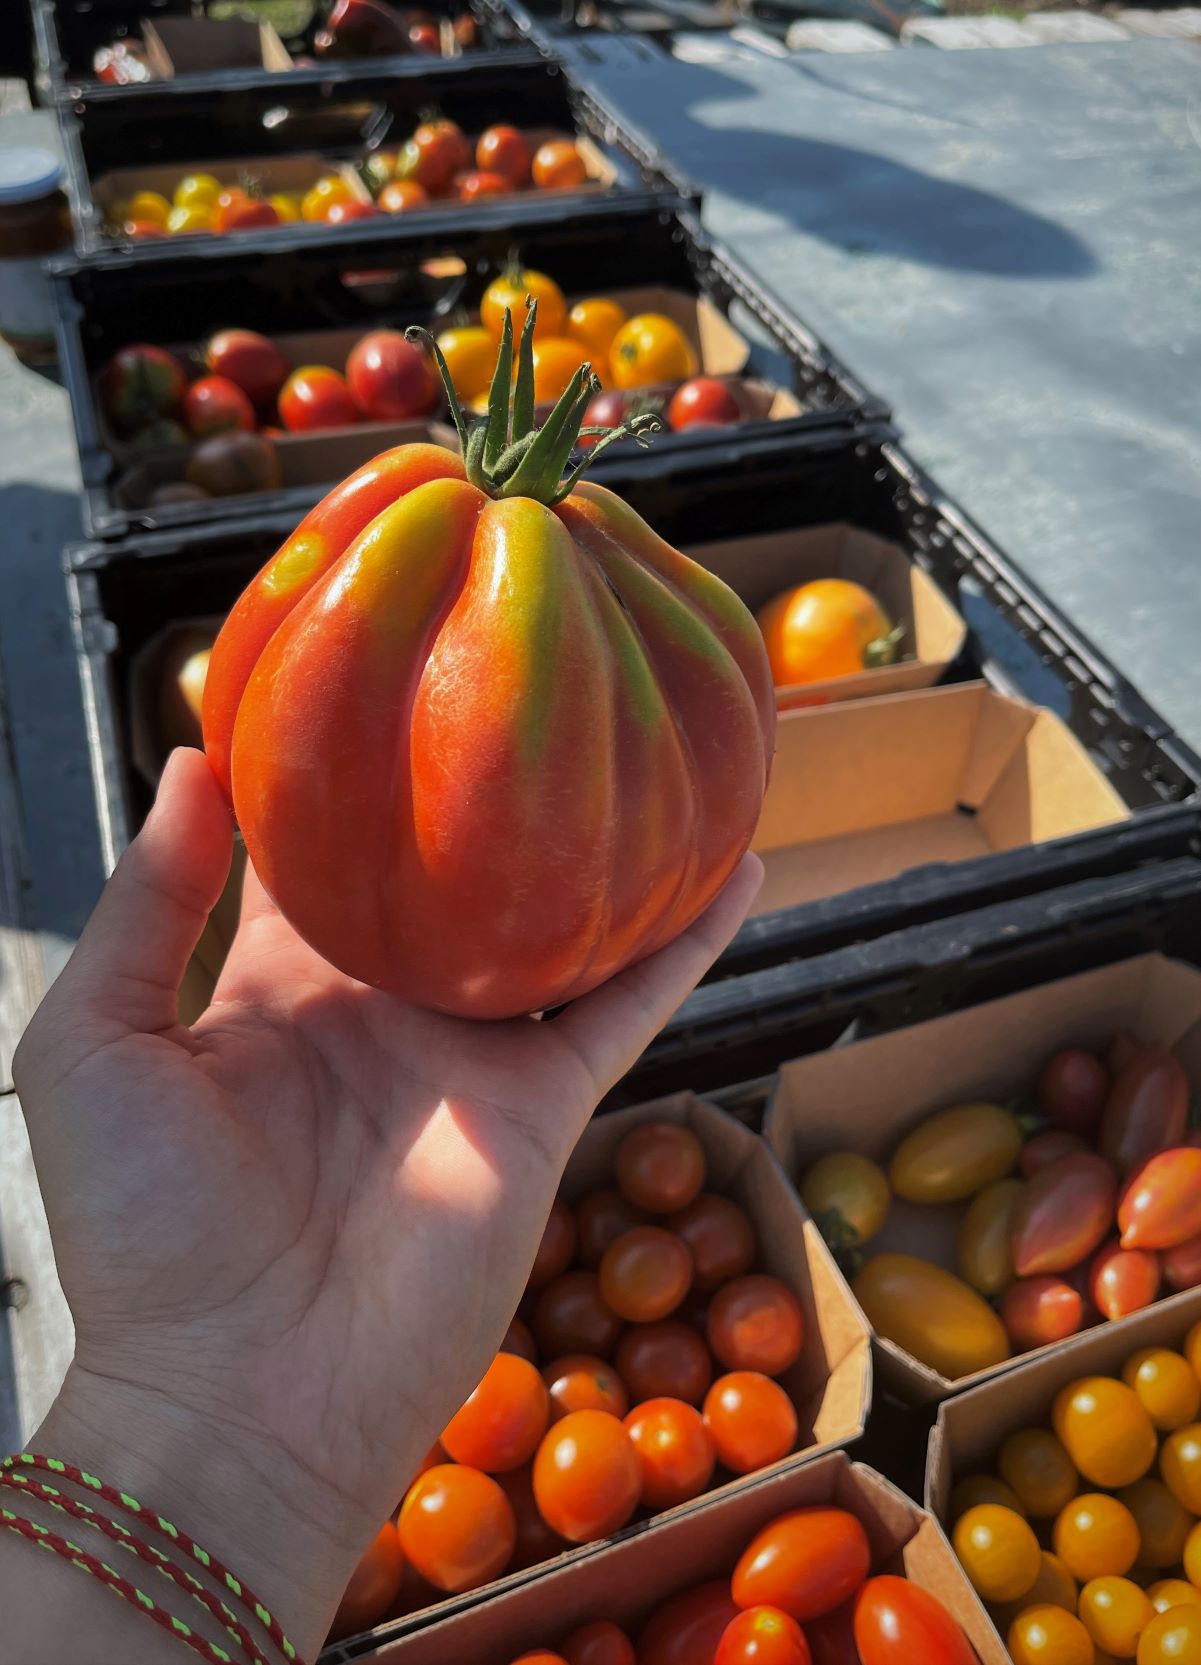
(244, 214)
(645, 1274)
(503, 150)
(659, 1166)
(437, 151)
(751, 1420)
(540, 1656)
(250, 361)
(587, 1477)
(763, 1636)
(344, 213)
(535, 1540)
(1071, 1090)
(1160, 1207)
(500, 1425)
(667, 1360)
(556, 1247)
(212, 405)
(457, 1528)
(315, 397)
(519, 1340)
(558, 166)
(720, 1236)
(1123, 1280)
(373, 1584)
(831, 1638)
(571, 1316)
(599, 1218)
(1048, 1147)
(477, 183)
(755, 1323)
(581, 1383)
(807, 1562)
(601, 1643)
(400, 195)
(703, 401)
(687, 1629)
(675, 1450)
(1037, 1310)
(897, 1623)
(390, 379)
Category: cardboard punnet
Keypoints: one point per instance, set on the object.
(868, 1095)
(863, 790)
(269, 175)
(626, 1581)
(198, 45)
(758, 568)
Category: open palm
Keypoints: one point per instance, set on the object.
(300, 1227)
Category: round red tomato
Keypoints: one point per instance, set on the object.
(315, 397)
(763, 1636)
(667, 1360)
(897, 1622)
(806, 1562)
(674, 1450)
(645, 1274)
(581, 1383)
(519, 1340)
(244, 213)
(720, 1236)
(601, 1643)
(138, 384)
(477, 183)
(558, 166)
(587, 1477)
(659, 1166)
(571, 1316)
(755, 1323)
(250, 361)
(212, 405)
(390, 379)
(556, 1247)
(599, 1218)
(703, 402)
(457, 1528)
(751, 1421)
(536, 1541)
(500, 1425)
(373, 1584)
(1123, 1280)
(437, 151)
(400, 195)
(503, 150)
(687, 1629)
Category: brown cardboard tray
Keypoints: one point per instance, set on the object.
(200, 45)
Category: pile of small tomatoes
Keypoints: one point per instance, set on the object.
(639, 1371)
(201, 203)
(1086, 1543)
(1083, 1210)
(439, 162)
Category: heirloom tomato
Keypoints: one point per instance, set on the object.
(1146, 1110)
(556, 360)
(470, 355)
(1063, 1213)
(650, 348)
(316, 397)
(250, 361)
(228, 464)
(594, 322)
(390, 379)
(213, 404)
(703, 402)
(140, 383)
(899, 1623)
(806, 1562)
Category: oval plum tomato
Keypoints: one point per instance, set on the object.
(1054, 1587)
(719, 1237)
(1173, 1592)
(998, 1551)
(1182, 1264)
(951, 1155)
(650, 348)
(581, 1383)
(571, 1316)
(755, 1323)
(250, 361)
(519, 1339)
(556, 1247)
(508, 293)
(437, 151)
(930, 1313)
(593, 322)
(687, 1629)
(477, 183)
(1172, 1638)
(674, 1449)
(751, 1421)
(373, 1584)
(500, 1425)
(400, 196)
(390, 379)
(848, 1197)
(1095, 1536)
(1105, 1430)
(213, 404)
(1063, 1214)
(645, 1274)
(1163, 1523)
(703, 402)
(316, 397)
(244, 213)
(806, 1562)
(981, 1488)
(664, 1361)
(599, 1643)
(1037, 1467)
(457, 1528)
(899, 1623)
(763, 1636)
(1048, 1147)
(470, 355)
(1166, 1385)
(587, 1476)
(1036, 1311)
(344, 213)
(601, 1216)
(503, 150)
(1160, 1206)
(230, 464)
(1146, 1110)
(1122, 1280)
(139, 383)
(1180, 1465)
(1049, 1636)
(558, 166)
(535, 1541)
(556, 360)
(659, 1166)
(983, 1257)
(1071, 1090)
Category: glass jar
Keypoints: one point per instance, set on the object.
(34, 222)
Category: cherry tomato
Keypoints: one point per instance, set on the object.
(1182, 1264)
(1121, 1280)
(556, 360)
(1173, 1592)
(594, 322)
(1163, 1525)
(519, 1340)
(687, 1629)
(650, 348)
(1036, 1466)
(667, 1360)
(1035, 1311)
(751, 1421)
(424, 37)
(1095, 1536)
(509, 291)
(703, 402)
(250, 361)
(503, 150)
(1115, 1612)
(1172, 1638)
(755, 1323)
(982, 1488)
(437, 151)
(587, 1476)
(600, 1217)
(720, 1237)
(600, 1643)
(1071, 1090)
(373, 1584)
(607, 409)
(558, 166)
(244, 214)
(660, 1167)
(197, 190)
(899, 1623)
(317, 201)
(1054, 1587)
(571, 1316)
(457, 1528)
(213, 404)
(1192, 1349)
(983, 1258)
(763, 1636)
(1107, 1433)
(998, 1551)
(500, 1426)
(1160, 1206)
(535, 1540)
(470, 355)
(1049, 1636)
(149, 207)
(400, 196)
(183, 222)
(390, 379)
(316, 397)
(581, 1383)
(1146, 1110)
(1048, 1147)
(1064, 1212)
(1180, 1465)
(141, 229)
(344, 213)
(831, 1638)
(645, 1274)
(556, 1247)
(807, 1562)
(848, 1197)
(674, 1449)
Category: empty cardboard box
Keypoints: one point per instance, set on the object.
(200, 45)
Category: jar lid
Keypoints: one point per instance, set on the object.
(27, 173)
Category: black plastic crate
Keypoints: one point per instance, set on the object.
(315, 284)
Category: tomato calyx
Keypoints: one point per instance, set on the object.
(884, 650)
(505, 453)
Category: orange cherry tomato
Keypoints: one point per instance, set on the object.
(1105, 1430)
(571, 1316)
(763, 1636)
(400, 196)
(318, 201)
(1163, 1523)
(342, 213)
(540, 1656)
(1115, 1612)
(519, 1340)
(664, 1361)
(476, 183)
(1190, 1555)
(1095, 1536)
(594, 322)
(755, 1323)
(1054, 1587)
(998, 1551)
(660, 1167)
(501, 1424)
(556, 1247)
(437, 151)
(1172, 1638)
(687, 1629)
(600, 1216)
(806, 1562)
(556, 360)
(315, 397)
(720, 1236)
(982, 1488)
(1173, 1592)
(504, 150)
(1180, 1465)
(581, 1383)
(373, 1584)
(899, 1623)
(751, 1421)
(535, 1540)
(674, 1449)
(558, 166)
(508, 293)
(650, 348)
(1049, 1636)
(587, 1476)
(826, 628)
(600, 1643)
(457, 1528)
(1036, 1466)
(645, 1274)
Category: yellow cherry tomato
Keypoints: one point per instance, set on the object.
(149, 208)
(1172, 1638)
(1166, 1385)
(509, 292)
(288, 205)
(1115, 1612)
(183, 220)
(328, 190)
(984, 1258)
(998, 1552)
(1163, 1526)
(1190, 1556)
(1095, 1536)
(1105, 1430)
(848, 1197)
(931, 1314)
(982, 1488)
(1049, 1636)
(556, 360)
(197, 190)
(1180, 1465)
(1040, 1471)
(593, 323)
(1054, 1587)
(651, 348)
(952, 1155)
(470, 355)
(1173, 1592)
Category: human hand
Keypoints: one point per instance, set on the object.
(292, 1236)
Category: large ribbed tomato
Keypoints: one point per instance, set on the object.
(488, 743)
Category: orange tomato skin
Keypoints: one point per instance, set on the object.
(806, 1563)
(1034, 1463)
(594, 322)
(457, 1528)
(998, 1552)
(1163, 1523)
(579, 1382)
(1160, 1207)
(755, 1323)
(1105, 1430)
(399, 196)
(556, 360)
(600, 1643)
(650, 348)
(675, 1451)
(500, 1425)
(1172, 1638)
(720, 1237)
(645, 1274)
(1095, 1536)
(587, 1477)
(899, 1623)
(373, 1584)
(763, 1636)
(1180, 1465)
(557, 166)
(1035, 1311)
(819, 630)
(504, 150)
(1049, 1636)
(508, 293)
(751, 1421)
